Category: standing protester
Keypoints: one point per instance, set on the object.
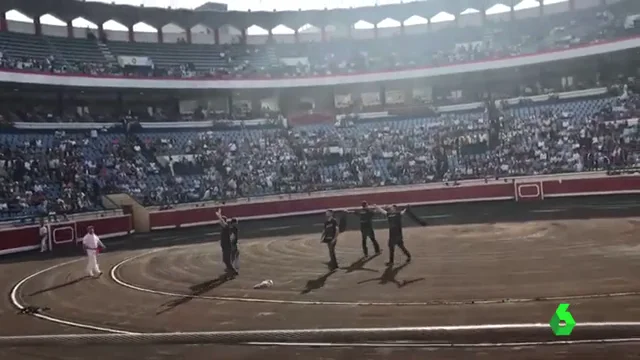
(44, 236)
(91, 244)
(395, 232)
(235, 253)
(366, 228)
(225, 243)
(330, 237)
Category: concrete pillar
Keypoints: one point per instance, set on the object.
(102, 35)
(3, 22)
(70, 30)
(38, 26)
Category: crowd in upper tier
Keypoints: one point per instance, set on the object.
(65, 172)
(453, 45)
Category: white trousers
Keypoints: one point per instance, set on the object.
(92, 263)
(43, 244)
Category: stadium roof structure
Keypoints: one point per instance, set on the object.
(128, 15)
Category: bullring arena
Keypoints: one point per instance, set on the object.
(476, 267)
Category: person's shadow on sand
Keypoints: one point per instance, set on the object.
(359, 264)
(59, 286)
(317, 283)
(389, 276)
(196, 290)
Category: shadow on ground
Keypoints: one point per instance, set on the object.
(59, 286)
(196, 290)
(317, 283)
(389, 276)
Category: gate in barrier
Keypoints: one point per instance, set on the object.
(529, 191)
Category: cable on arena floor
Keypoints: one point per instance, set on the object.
(435, 336)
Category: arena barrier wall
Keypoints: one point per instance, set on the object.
(523, 189)
(62, 235)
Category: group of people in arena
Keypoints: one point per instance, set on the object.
(330, 235)
(333, 228)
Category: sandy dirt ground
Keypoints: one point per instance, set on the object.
(493, 273)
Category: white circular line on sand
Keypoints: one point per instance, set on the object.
(114, 276)
(15, 299)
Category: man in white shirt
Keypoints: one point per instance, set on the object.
(91, 243)
(44, 236)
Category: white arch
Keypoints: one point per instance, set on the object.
(15, 15)
(81, 22)
(114, 26)
(309, 28)
(172, 28)
(282, 30)
(200, 29)
(470, 11)
(257, 30)
(389, 23)
(498, 9)
(415, 20)
(526, 4)
(48, 19)
(363, 25)
(144, 28)
(442, 16)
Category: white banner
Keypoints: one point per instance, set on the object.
(135, 61)
(343, 101)
(188, 106)
(394, 97)
(423, 94)
(371, 98)
(295, 61)
(336, 150)
(470, 44)
(630, 21)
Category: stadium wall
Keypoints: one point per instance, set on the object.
(537, 188)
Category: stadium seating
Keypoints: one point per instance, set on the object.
(494, 39)
(43, 171)
(170, 167)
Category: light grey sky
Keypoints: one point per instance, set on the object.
(267, 5)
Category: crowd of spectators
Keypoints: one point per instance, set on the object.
(38, 180)
(450, 147)
(68, 173)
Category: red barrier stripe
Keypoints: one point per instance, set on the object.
(545, 188)
(63, 234)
